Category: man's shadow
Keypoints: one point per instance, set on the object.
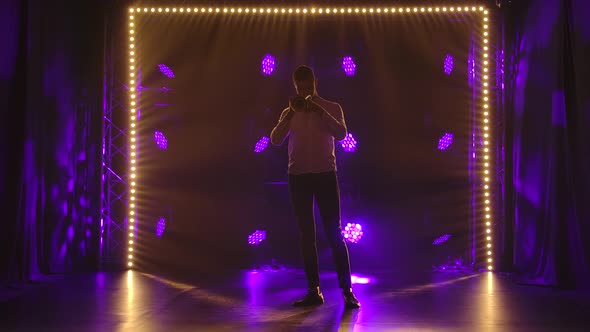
(348, 319)
(343, 320)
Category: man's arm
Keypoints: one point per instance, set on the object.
(336, 125)
(281, 130)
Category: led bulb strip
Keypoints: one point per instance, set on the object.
(484, 79)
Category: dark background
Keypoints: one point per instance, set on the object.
(216, 190)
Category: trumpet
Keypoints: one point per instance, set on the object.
(300, 103)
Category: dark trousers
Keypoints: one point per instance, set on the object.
(324, 187)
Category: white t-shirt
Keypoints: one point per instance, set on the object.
(311, 137)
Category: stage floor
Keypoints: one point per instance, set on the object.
(261, 301)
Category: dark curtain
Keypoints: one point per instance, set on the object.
(50, 136)
(548, 142)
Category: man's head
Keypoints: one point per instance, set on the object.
(304, 80)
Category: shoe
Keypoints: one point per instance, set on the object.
(313, 297)
(350, 301)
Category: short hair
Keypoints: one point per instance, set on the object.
(303, 73)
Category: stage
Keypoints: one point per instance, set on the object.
(261, 301)
(142, 188)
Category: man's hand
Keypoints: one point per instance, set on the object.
(289, 114)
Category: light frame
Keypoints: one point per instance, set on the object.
(484, 157)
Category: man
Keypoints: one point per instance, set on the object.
(312, 123)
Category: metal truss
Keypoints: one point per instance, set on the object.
(115, 155)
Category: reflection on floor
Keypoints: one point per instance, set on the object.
(261, 301)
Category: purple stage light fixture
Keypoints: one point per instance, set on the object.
(348, 66)
(160, 140)
(256, 237)
(261, 144)
(161, 227)
(268, 64)
(445, 141)
(359, 280)
(348, 143)
(448, 65)
(353, 232)
(441, 239)
(166, 70)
